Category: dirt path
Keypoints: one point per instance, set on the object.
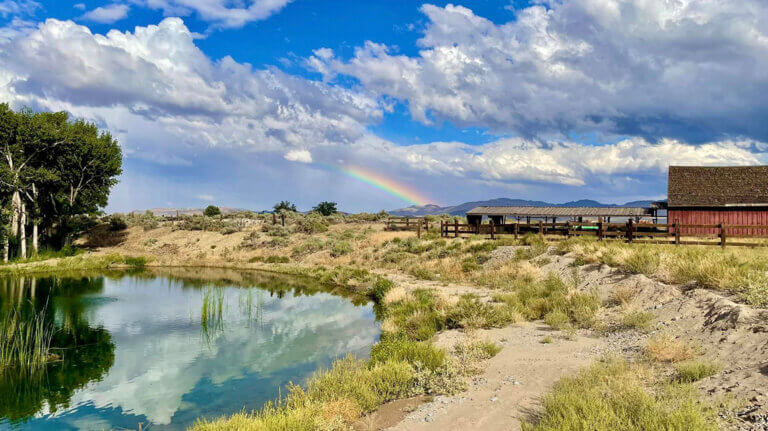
(510, 388)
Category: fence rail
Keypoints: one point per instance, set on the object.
(408, 223)
(648, 233)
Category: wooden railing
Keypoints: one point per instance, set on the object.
(407, 223)
(632, 232)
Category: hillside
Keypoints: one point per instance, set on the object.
(461, 209)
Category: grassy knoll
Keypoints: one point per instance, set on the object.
(743, 271)
(78, 262)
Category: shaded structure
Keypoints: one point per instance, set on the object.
(500, 215)
(733, 195)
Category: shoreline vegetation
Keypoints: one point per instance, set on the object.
(354, 252)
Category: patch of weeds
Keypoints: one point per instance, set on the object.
(471, 312)
(418, 316)
(637, 319)
(422, 273)
(547, 340)
(137, 262)
(277, 259)
(401, 349)
(557, 319)
(470, 264)
(340, 248)
(150, 242)
(613, 395)
(470, 355)
(665, 347)
(693, 371)
(380, 289)
(312, 245)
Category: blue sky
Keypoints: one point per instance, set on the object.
(244, 103)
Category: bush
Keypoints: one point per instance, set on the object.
(340, 248)
(380, 289)
(471, 312)
(640, 320)
(689, 372)
(211, 211)
(277, 259)
(557, 319)
(666, 348)
(422, 273)
(413, 352)
(612, 396)
(310, 224)
(136, 262)
(117, 223)
(326, 208)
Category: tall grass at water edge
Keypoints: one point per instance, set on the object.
(24, 343)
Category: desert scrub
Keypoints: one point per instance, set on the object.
(277, 259)
(414, 352)
(742, 271)
(340, 248)
(422, 273)
(418, 316)
(471, 312)
(137, 262)
(692, 371)
(614, 395)
(638, 320)
(73, 263)
(311, 245)
(665, 347)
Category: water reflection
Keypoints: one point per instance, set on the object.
(166, 347)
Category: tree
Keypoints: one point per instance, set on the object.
(326, 208)
(285, 206)
(212, 210)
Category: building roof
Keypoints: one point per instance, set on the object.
(561, 211)
(697, 186)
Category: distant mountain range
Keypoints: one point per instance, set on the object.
(461, 209)
(171, 212)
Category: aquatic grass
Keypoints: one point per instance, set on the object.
(211, 312)
(25, 343)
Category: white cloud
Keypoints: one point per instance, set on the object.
(694, 69)
(301, 156)
(221, 13)
(18, 7)
(79, 6)
(158, 85)
(207, 198)
(107, 14)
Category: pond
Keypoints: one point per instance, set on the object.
(165, 347)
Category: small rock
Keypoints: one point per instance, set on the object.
(494, 399)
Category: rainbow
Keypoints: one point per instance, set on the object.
(407, 193)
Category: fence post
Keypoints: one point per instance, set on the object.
(426, 224)
(677, 232)
(541, 229)
(274, 218)
(441, 228)
(629, 230)
(282, 218)
(567, 228)
(418, 230)
(517, 228)
(456, 228)
(407, 223)
(492, 236)
(722, 235)
(600, 228)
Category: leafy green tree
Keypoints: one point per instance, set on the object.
(326, 208)
(285, 206)
(212, 210)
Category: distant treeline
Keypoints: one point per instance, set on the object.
(54, 173)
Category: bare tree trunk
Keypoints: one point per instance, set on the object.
(23, 230)
(34, 237)
(15, 204)
(5, 249)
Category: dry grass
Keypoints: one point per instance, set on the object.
(665, 347)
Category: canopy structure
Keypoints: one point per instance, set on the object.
(548, 212)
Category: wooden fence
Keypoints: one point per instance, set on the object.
(649, 233)
(408, 223)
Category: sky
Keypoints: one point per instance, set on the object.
(381, 104)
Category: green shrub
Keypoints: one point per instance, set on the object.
(312, 245)
(692, 371)
(639, 320)
(422, 273)
(211, 211)
(310, 224)
(611, 396)
(136, 262)
(557, 319)
(416, 317)
(340, 248)
(117, 223)
(547, 340)
(277, 259)
(643, 260)
(380, 289)
(471, 312)
(412, 352)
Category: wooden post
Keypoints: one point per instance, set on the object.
(629, 230)
(418, 230)
(722, 235)
(274, 218)
(677, 232)
(567, 228)
(456, 228)
(600, 228)
(492, 236)
(441, 229)
(426, 224)
(541, 229)
(517, 228)
(282, 219)
(407, 223)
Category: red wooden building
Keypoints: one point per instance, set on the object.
(719, 195)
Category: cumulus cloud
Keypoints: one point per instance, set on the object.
(155, 79)
(221, 13)
(302, 156)
(688, 69)
(107, 14)
(207, 198)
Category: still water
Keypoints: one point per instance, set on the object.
(163, 348)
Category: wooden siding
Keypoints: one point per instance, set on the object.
(720, 216)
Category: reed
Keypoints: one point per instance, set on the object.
(25, 343)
